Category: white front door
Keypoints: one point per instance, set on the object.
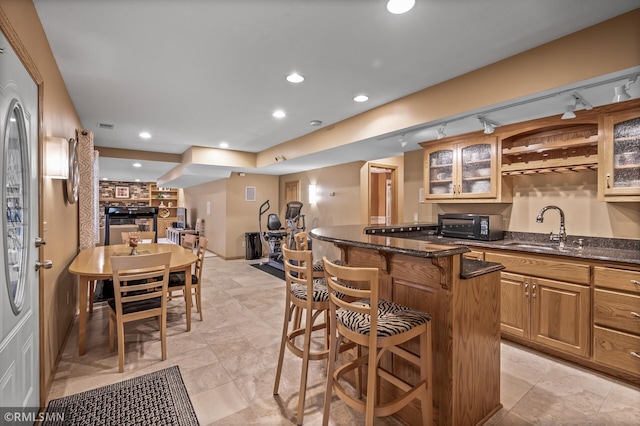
(19, 345)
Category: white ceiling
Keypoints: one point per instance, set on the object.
(195, 72)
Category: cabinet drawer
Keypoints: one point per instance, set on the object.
(617, 310)
(542, 267)
(617, 349)
(473, 254)
(619, 279)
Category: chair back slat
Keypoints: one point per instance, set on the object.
(189, 241)
(140, 277)
(298, 268)
(301, 240)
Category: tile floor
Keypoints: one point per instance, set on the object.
(228, 362)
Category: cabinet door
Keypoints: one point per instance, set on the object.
(477, 169)
(621, 146)
(439, 172)
(560, 315)
(514, 312)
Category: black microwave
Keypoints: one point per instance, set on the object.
(486, 227)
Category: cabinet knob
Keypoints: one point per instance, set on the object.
(608, 181)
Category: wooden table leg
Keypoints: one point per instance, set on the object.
(187, 289)
(82, 308)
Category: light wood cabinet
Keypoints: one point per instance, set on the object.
(549, 312)
(619, 149)
(552, 313)
(616, 307)
(459, 171)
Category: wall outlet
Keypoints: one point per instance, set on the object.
(244, 244)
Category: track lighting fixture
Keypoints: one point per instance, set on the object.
(489, 126)
(441, 133)
(403, 142)
(280, 158)
(621, 93)
(578, 101)
(569, 112)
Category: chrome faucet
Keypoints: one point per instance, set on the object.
(561, 236)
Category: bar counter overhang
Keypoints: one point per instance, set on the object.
(463, 298)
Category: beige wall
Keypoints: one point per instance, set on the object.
(21, 25)
(230, 215)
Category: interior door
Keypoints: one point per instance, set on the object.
(19, 340)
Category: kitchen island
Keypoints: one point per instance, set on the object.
(463, 298)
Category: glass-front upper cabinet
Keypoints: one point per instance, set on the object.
(620, 145)
(464, 170)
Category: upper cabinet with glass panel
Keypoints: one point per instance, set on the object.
(461, 170)
(15, 199)
(620, 156)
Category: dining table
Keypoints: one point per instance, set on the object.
(95, 264)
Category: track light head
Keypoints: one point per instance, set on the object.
(489, 126)
(440, 131)
(621, 93)
(569, 112)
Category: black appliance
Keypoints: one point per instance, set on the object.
(129, 216)
(485, 227)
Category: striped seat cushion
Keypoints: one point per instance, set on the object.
(392, 318)
(319, 267)
(320, 292)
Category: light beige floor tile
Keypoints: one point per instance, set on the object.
(218, 403)
(228, 363)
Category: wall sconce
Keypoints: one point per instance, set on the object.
(313, 194)
(56, 158)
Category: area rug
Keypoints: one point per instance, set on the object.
(158, 398)
(269, 269)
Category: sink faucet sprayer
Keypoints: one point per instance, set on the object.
(561, 236)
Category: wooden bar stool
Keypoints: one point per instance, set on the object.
(393, 325)
(300, 284)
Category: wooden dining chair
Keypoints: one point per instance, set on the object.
(140, 287)
(384, 328)
(189, 241)
(177, 279)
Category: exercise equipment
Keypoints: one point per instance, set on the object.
(273, 238)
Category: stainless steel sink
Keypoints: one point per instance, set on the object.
(538, 246)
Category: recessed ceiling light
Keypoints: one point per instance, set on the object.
(223, 145)
(105, 178)
(398, 7)
(361, 98)
(137, 165)
(279, 114)
(137, 180)
(294, 77)
(145, 135)
(315, 123)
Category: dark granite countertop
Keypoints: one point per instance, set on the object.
(607, 249)
(354, 235)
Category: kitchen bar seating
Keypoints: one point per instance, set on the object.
(393, 325)
(301, 283)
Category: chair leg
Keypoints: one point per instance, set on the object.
(331, 365)
(163, 333)
(92, 293)
(112, 320)
(120, 345)
(305, 363)
(372, 384)
(283, 342)
(199, 300)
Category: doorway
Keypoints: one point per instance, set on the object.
(383, 194)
